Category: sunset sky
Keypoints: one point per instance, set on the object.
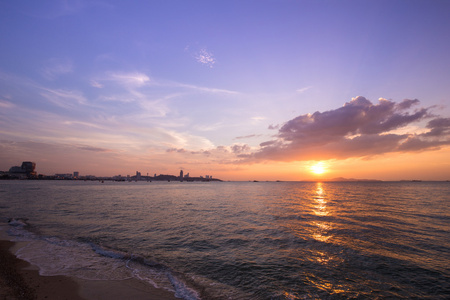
(240, 90)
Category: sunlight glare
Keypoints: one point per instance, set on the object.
(318, 168)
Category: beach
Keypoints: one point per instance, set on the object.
(21, 280)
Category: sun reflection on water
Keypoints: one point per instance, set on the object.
(320, 201)
(320, 209)
(326, 285)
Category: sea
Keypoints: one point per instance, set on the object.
(239, 240)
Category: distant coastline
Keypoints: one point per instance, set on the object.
(352, 179)
(114, 178)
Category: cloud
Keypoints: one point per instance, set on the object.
(6, 104)
(302, 90)
(247, 136)
(63, 98)
(96, 84)
(238, 149)
(172, 150)
(205, 57)
(56, 67)
(358, 129)
(135, 79)
(204, 89)
(93, 149)
(258, 119)
(128, 80)
(438, 127)
(273, 127)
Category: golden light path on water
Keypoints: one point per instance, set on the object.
(320, 232)
(322, 235)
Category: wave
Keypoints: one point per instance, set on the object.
(90, 261)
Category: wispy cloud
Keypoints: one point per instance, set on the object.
(67, 98)
(247, 136)
(205, 57)
(302, 90)
(257, 119)
(96, 84)
(56, 67)
(63, 98)
(131, 79)
(204, 89)
(358, 129)
(6, 104)
(93, 149)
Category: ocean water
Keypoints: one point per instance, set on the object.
(240, 240)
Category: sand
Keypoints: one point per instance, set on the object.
(21, 280)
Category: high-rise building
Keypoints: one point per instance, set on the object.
(181, 175)
(29, 167)
(76, 174)
(24, 171)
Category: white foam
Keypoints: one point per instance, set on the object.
(56, 256)
(157, 278)
(60, 257)
(182, 290)
(108, 253)
(17, 223)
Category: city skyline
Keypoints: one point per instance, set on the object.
(254, 90)
(27, 170)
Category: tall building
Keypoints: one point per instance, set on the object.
(24, 171)
(76, 174)
(29, 167)
(181, 175)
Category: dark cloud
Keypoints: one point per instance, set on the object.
(238, 149)
(179, 150)
(247, 136)
(94, 149)
(357, 129)
(182, 150)
(438, 126)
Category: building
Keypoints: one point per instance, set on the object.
(76, 175)
(64, 176)
(181, 175)
(26, 170)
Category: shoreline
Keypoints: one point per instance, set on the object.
(21, 280)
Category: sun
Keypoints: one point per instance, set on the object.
(318, 168)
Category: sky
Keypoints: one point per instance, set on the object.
(239, 90)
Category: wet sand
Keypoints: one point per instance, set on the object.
(21, 280)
